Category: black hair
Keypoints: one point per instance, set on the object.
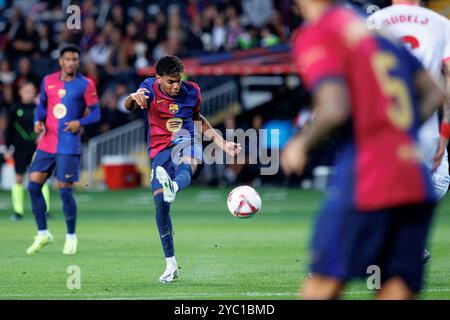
(69, 48)
(169, 66)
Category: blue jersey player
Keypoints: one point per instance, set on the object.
(68, 100)
(173, 113)
(379, 205)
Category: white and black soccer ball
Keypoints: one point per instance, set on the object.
(244, 202)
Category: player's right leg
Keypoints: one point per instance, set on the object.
(40, 169)
(402, 271)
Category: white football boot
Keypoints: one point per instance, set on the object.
(172, 272)
(167, 184)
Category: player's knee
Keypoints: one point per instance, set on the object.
(158, 198)
(66, 193)
(34, 188)
(159, 191)
(19, 178)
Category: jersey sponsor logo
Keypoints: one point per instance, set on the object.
(59, 111)
(61, 93)
(51, 86)
(68, 176)
(159, 100)
(174, 124)
(173, 107)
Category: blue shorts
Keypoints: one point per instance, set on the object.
(347, 241)
(66, 165)
(168, 159)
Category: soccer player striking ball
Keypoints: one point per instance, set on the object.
(20, 135)
(380, 201)
(172, 106)
(427, 35)
(65, 96)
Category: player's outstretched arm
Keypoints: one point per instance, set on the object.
(229, 147)
(331, 108)
(137, 99)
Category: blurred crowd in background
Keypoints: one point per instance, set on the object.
(119, 37)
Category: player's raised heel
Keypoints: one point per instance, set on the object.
(171, 274)
(70, 246)
(40, 241)
(167, 184)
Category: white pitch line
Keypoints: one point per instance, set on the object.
(189, 295)
(168, 296)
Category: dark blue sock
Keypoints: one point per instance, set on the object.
(164, 225)
(69, 208)
(183, 175)
(38, 204)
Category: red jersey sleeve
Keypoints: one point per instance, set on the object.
(319, 55)
(199, 97)
(90, 94)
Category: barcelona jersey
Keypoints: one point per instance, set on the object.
(61, 102)
(387, 169)
(170, 119)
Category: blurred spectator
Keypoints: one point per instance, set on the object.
(25, 74)
(118, 18)
(248, 39)
(25, 40)
(7, 76)
(89, 36)
(117, 59)
(268, 39)
(45, 42)
(100, 52)
(219, 33)
(234, 33)
(258, 12)
(195, 42)
(111, 116)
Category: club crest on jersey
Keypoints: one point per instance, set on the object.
(174, 124)
(173, 107)
(59, 111)
(61, 93)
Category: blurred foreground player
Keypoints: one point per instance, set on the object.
(173, 112)
(65, 96)
(427, 35)
(21, 137)
(380, 202)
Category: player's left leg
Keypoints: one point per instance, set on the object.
(17, 197)
(21, 161)
(67, 172)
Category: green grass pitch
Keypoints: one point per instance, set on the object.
(221, 257)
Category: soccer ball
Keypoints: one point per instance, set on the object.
(244, 202)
